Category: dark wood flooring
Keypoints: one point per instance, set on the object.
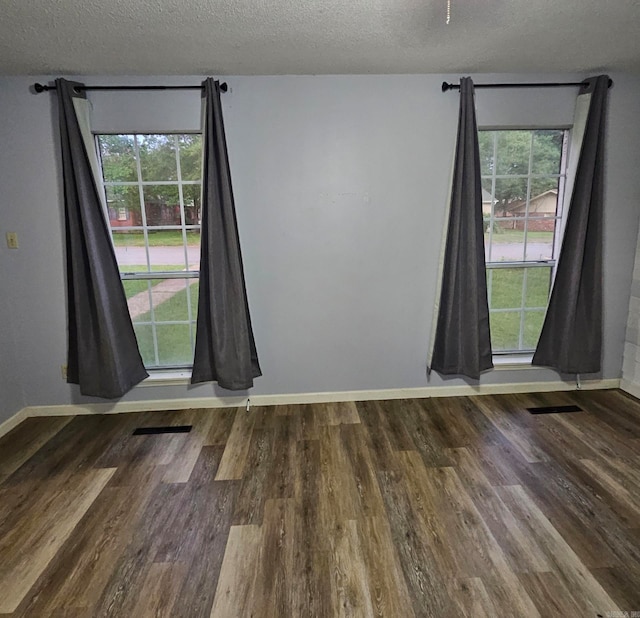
(431, 507)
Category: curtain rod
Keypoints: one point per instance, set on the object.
(446, 86)
(44, 88)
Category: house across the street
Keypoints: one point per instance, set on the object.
(541, 213)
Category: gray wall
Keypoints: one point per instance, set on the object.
(631, 364)
(11, 396)
(340, 185)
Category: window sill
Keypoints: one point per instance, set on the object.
(167, 378)
(512, 362)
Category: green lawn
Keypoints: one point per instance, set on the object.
(174, 344)
(502, 236)
(505, 330)
(161, 238)
(505, 292)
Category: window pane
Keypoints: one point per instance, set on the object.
(137, 293)
(157, 157)
(544, 197)
(547, 151)
(485, 140)
(533, 321)
(193, 249)
(190, 156)
(170, 303)
(123, 206)
(166, 250)
(174, 344)
(139, 303)
(507, 244)
(487, 247)
(118, 158)
(539, 244)
(510, 197)
(538, 286)
(487, 196)
(543, 207)
(130, 252)
(162, 205)
(505, 330)
(514, 148)
(170, 300)
(144, 335)
(194, 288)
(506, 288)
(192, 195)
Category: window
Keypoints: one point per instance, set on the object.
(523, 177)
(152, 185)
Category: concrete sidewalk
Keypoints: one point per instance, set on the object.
(162, 292)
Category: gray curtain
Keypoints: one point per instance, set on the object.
(571, 338)
(462, 340)
(225, 348)
(103, 356)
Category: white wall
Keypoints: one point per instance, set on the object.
(340, 186)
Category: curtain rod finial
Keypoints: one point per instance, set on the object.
(445, 86)
(224, 87)
(40, 87)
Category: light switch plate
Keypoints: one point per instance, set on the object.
(12, 240)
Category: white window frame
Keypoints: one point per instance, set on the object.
(157, 368)
(522, 354)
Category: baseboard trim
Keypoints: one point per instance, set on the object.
(13, 421)
(302, 398)
(146, 405)
(630, 387)
(429, 391)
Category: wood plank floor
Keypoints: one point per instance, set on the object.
(432, 507)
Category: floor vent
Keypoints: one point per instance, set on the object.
(146, 431)
(554, 409)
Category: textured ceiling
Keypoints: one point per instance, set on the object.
(237, 37)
